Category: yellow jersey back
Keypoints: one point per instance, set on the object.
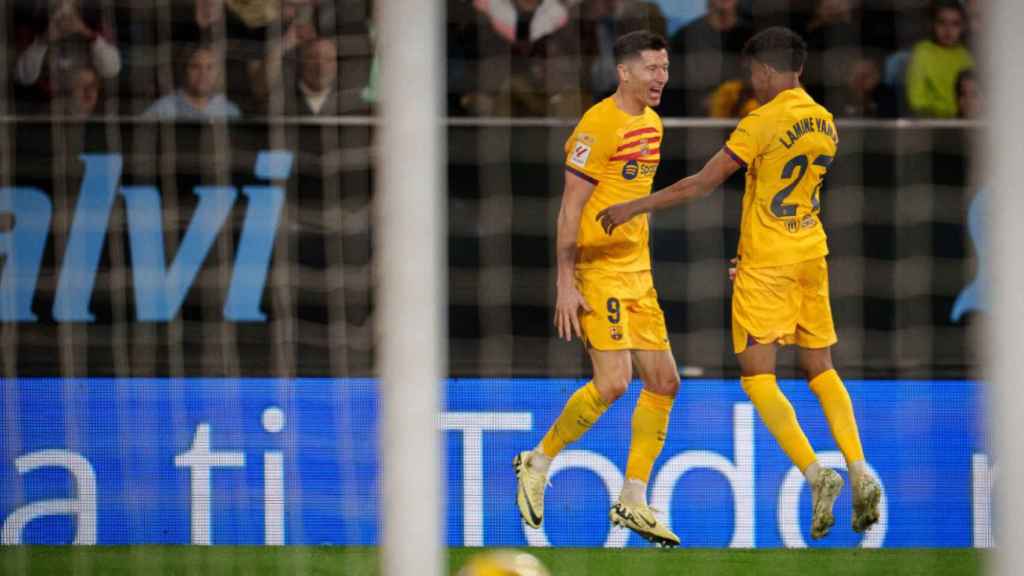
(619, 153)
(787, 146)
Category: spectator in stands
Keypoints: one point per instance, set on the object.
(267, 72)
(316, 92)
(71, 38)
(258, 34)
(733, 99)
(864, 94)
(150, 29)
(705, 54)
(936, 63)
(833, 45)
(83, 97)
(970, 102)
(521, 46)
(524, 22)
(305, 44)
(606, 20)
(201, 96)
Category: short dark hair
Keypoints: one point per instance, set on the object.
(632, 44)
(778, 47)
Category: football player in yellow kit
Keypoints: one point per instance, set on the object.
(780, 291)
(606, 294)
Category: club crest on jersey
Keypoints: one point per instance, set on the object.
(615, 332)
(792, 225)
(630, 170)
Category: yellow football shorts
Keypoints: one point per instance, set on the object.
(625, 312)
(782, 304)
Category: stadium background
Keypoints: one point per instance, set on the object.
(285, 394)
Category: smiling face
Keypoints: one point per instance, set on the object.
(644, 77)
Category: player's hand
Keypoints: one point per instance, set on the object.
(567, 309)
(732, 269)
(614, 216)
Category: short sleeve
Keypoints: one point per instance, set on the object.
(589, 149)
(746, 141)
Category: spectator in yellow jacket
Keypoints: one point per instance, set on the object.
(936, 63)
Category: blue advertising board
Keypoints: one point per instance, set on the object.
(266, 461)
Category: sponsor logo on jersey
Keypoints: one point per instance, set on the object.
(630, 170)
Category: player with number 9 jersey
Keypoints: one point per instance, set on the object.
(618, 153)
(780, 282)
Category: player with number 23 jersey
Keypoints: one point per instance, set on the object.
(786, 146)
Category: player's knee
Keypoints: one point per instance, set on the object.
(667, 385)
(612, 387)
(618, 388)
(815, 364)
(674, 385)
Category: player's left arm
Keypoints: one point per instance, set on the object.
(717, 170)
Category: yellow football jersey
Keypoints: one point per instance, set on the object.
(786, 146)
(619, 153)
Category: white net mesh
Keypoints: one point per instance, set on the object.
(187, 315)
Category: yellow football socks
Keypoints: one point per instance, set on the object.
(584, 407)
(779, 417)
(835, 401)
(650, 425)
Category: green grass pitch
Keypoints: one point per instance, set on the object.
(354, 561)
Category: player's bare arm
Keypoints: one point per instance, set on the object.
(717, 170)
(569, 300)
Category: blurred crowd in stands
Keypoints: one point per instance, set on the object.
(210, 59)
